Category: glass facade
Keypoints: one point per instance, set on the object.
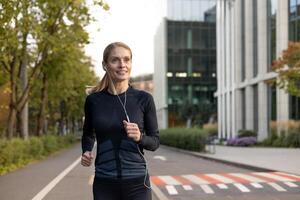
(272, 10)
(255, 45)
(191, 65)
(243, 41)
(294, 35)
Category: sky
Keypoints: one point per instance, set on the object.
(133, 22)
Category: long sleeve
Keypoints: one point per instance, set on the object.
(88, 136)
(150, 140)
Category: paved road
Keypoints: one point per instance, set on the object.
(176, 176)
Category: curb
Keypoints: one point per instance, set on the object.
(232, 163)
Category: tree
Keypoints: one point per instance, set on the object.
(30, 32)
(288, 69)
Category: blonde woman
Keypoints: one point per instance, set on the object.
(123, 121)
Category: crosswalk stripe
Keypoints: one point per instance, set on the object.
(207, 189)
(195, 179)
(182, 180)
(221, 178)
(256, 185)
(236, 179)
(291, 184)
(208, 178)
(171, 190)
(241, 187)
(248, 177)
(277, 187)
(187, 187)
(222, 186)
(274, 176)
(292, 176)
(169, 180)
(157, 181)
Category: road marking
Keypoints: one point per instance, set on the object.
(274, 176)
(169, 180)
(222, 186)
(207, 189)
(248, 177)
(182, 180)
(292, 176)
(187, 187)
(156, 180)
(159, 194)
(56, 180)
(241, 187)
(195, 179)
(291, 184)
(171, 190)
(160, 158)
(221, 178)
(256, 185)
(277, 187)
(91, 180)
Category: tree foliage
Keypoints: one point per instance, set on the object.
(44, 39)
(288, 69)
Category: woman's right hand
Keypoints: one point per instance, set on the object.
(87, 158)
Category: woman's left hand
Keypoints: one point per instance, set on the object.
(132, 131)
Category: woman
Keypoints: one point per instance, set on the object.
(123, 121)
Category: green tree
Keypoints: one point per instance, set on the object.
(288, 69)
(30, 33)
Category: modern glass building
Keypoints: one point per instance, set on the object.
(185, 59)
(250, 35)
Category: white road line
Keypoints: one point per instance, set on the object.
(241, 187)
(160, 158)
(195, 179)
(169, 180)
(256, 185)
(159, 194)
(248, 177)
(91, 180)
(187, 187)
(273, 176)
(291, 184)
(171, 190)
(222, 186)
(207, 189)
(56, 180)
(221, 178)
(277, 187)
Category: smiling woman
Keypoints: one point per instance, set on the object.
(123, 121)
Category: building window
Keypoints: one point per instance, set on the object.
(255, 48)
(255, 107)
(243, 41)
(272, 10)
(294, 35)
(243, 103)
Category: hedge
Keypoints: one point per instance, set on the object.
(184, 138)
(16, 152)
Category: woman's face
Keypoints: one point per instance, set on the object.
(119, 64)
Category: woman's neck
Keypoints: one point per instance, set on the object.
(119, 87)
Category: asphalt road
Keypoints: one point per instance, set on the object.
(174, 175)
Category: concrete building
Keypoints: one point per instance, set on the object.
(143, 82)
(185, 59)
(250, 34)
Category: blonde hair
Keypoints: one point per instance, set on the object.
(106, 81)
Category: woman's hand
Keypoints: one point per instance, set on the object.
(132, 131)
(87, 158)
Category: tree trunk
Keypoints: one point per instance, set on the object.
(24, 81)
(12, 104)
(42, 111)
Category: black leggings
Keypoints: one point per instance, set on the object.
(104, 190)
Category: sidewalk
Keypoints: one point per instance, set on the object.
(277, 159)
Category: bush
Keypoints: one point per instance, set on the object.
(246, 133)
(211, 129)
(242, 141)
(16, 152)
(190, 139)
